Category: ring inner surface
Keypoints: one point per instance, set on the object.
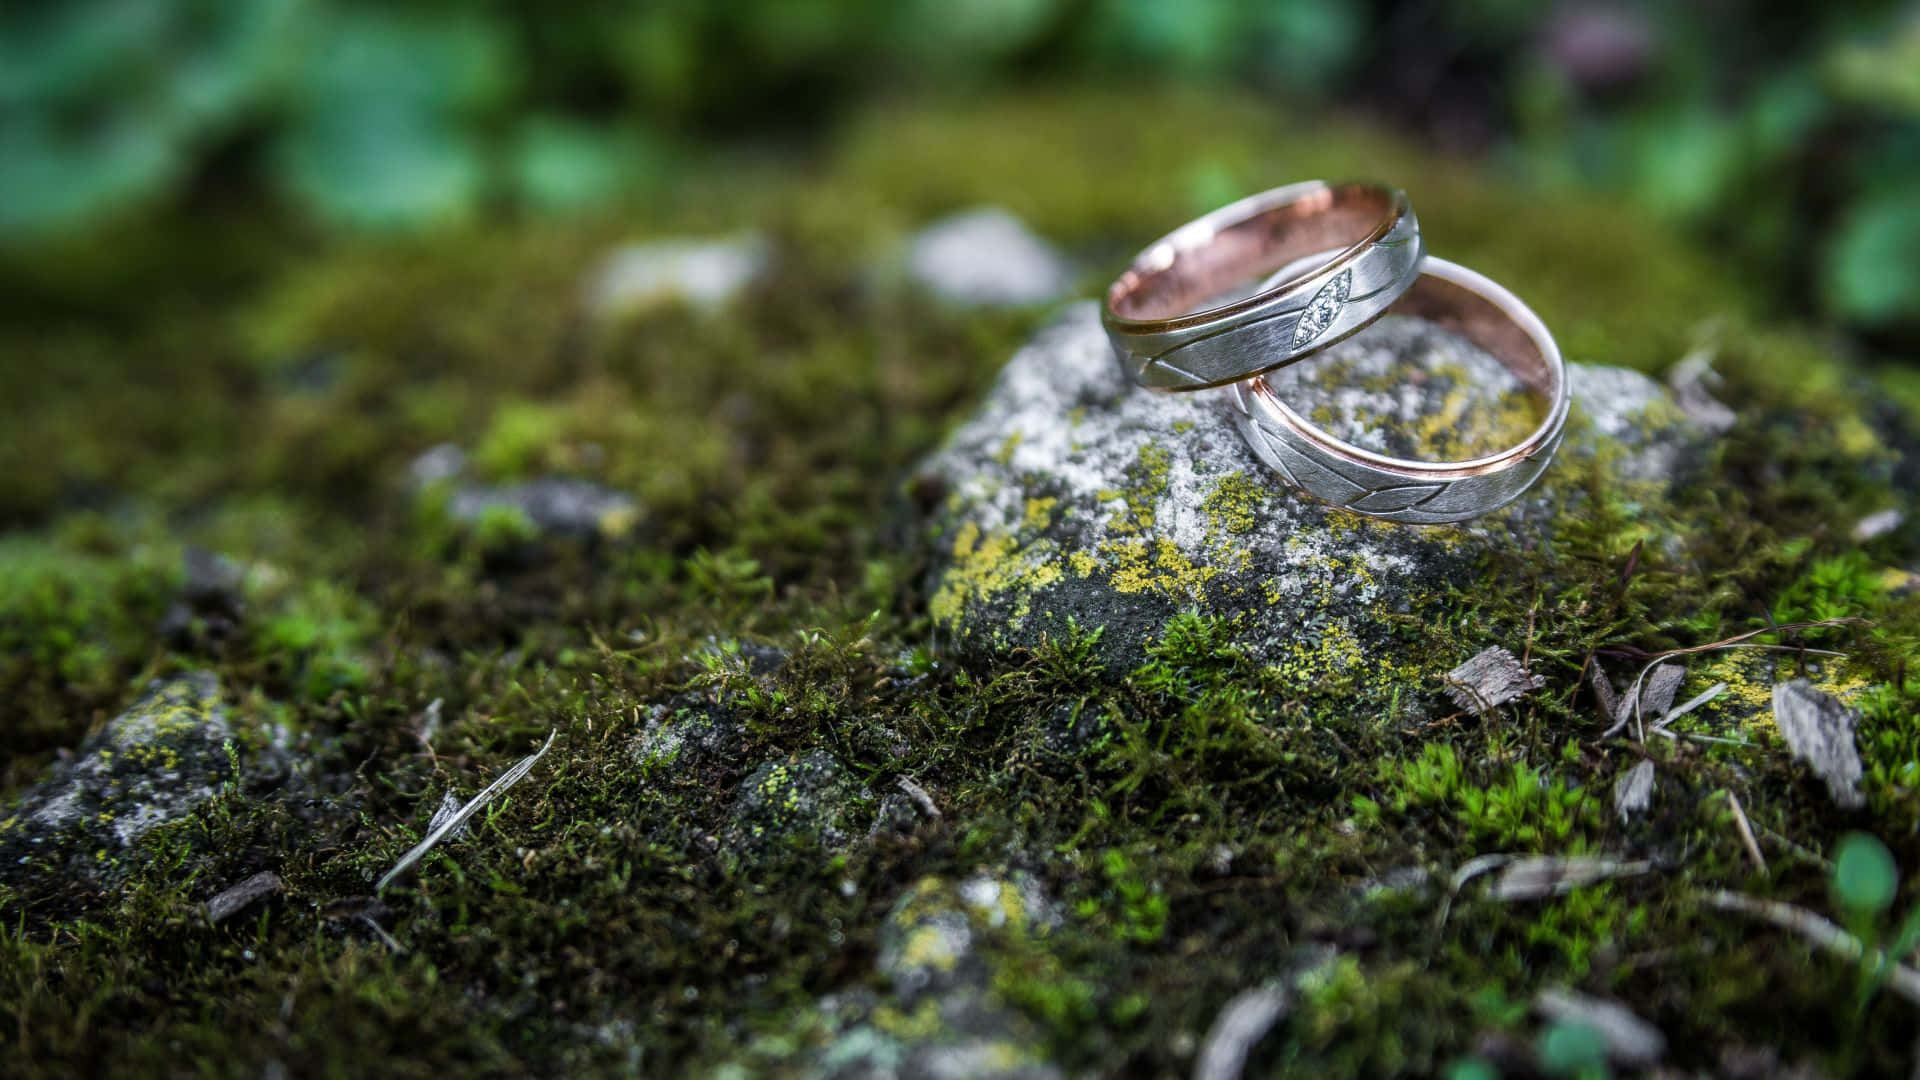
(1412, 390)
(1482, 321)
(1330, 218)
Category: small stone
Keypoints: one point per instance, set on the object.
(1878, 524)
(705, 273)
(1819, 731)
(987, 257)
(1489, 680)
(1631, 1042)
(809, 795)
(436, 464)
(211, 605)
(557, 507)
(1633, 792)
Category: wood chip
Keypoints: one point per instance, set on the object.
(1631, 1042)
(1633, 792)
(1537, 876)
(1819, 731)
(236, 897)
(1242, 1024)
(1490, 679)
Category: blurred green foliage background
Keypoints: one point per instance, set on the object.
(1788, 134)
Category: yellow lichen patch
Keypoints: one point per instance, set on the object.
(1233, 503)
(929, 946)
(922, 1023)
(1750, 676)
(1083, 563)
(1141, 565)
(617, 522)
(1334, 652)
(986, 566)
(1039, 513)
(1005, 453)
(1146, 482)
(964, 540)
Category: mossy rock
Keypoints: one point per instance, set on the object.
(1071, 506)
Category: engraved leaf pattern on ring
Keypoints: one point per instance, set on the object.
(1321, 310)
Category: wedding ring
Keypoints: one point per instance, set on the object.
(1166, 344)
(1489, 316)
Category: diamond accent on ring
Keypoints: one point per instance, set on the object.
(1322, 308)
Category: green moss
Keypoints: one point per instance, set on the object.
(1214, 802)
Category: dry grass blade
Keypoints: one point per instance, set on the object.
(1904, 980)
(1704, 697)
(236, 897)
(1746, 831)
(453, 821)
(919, 796)
(1538, 876)
(1244, 1022)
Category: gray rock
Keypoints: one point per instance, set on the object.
(987, 258)
(809, 795)
(1069, 499)
(553, 506)
(437, 464)
(155, 763)
(705, 273)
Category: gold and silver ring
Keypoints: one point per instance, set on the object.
(1334, 258)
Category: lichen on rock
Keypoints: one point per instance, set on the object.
(941, 948)
(1072, 501)
(172, 751)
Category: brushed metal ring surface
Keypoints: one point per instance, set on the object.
(1165, 344)
(1420, 492)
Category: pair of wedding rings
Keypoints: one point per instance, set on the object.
(1330, 259)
